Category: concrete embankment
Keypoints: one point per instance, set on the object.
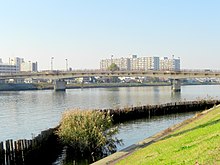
(46, 86)
(17, 87)
(49, 86)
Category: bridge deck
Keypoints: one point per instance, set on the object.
(100, 73)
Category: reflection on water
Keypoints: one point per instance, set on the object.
(134, 131)
(27, 113)
(176, 96)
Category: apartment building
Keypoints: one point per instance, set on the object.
(145, 63)
(8, 67)
(172, 64)
(133, 63)
(28, 66)
(17, 64)
(122, 63)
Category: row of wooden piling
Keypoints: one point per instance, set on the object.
(29, 151)
(132, 113)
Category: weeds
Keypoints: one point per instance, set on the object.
(88, 132)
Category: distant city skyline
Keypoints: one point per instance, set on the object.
(84, 32)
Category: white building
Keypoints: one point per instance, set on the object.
(16, 65)
(28, 66)
(16, 61)
(8, 68)
(133, 63)
(122, 63)
(172, 64)
(146, 63)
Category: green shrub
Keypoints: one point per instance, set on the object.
(88, 132)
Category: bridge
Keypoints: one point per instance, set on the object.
(60, 76)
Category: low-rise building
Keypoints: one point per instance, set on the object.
(8, 68)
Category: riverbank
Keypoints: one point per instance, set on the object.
(17, 87)
(48, 86)
(115, 85)
(194, 140)
(102, 85)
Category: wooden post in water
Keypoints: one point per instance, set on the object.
(11, 151)
(7, 152)
(15, 152)
(19, 152)
(2, 153)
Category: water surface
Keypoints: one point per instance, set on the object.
(24, 114)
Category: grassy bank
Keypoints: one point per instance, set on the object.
(198, 141)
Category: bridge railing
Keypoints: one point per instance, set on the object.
(97, 72)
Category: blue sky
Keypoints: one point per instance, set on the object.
(86, 31)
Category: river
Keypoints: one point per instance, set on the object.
(24, 114)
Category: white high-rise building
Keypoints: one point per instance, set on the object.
(143, 63)
(172, 64)
(133, 63)
(17, 61)
(28, 66)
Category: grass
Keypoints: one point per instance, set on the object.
(198, 141)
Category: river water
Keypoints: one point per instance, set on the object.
(24, 114)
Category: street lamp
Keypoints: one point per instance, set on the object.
(66, 64)
(29, 66)
(111, 59)
(10, 67)
(52, 63)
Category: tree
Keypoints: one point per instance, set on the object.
(113, 67)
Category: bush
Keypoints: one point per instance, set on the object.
(88, 132)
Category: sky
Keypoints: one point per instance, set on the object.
(86, 31)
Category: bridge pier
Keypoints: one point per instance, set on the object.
(60, 85)
(175, 85)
